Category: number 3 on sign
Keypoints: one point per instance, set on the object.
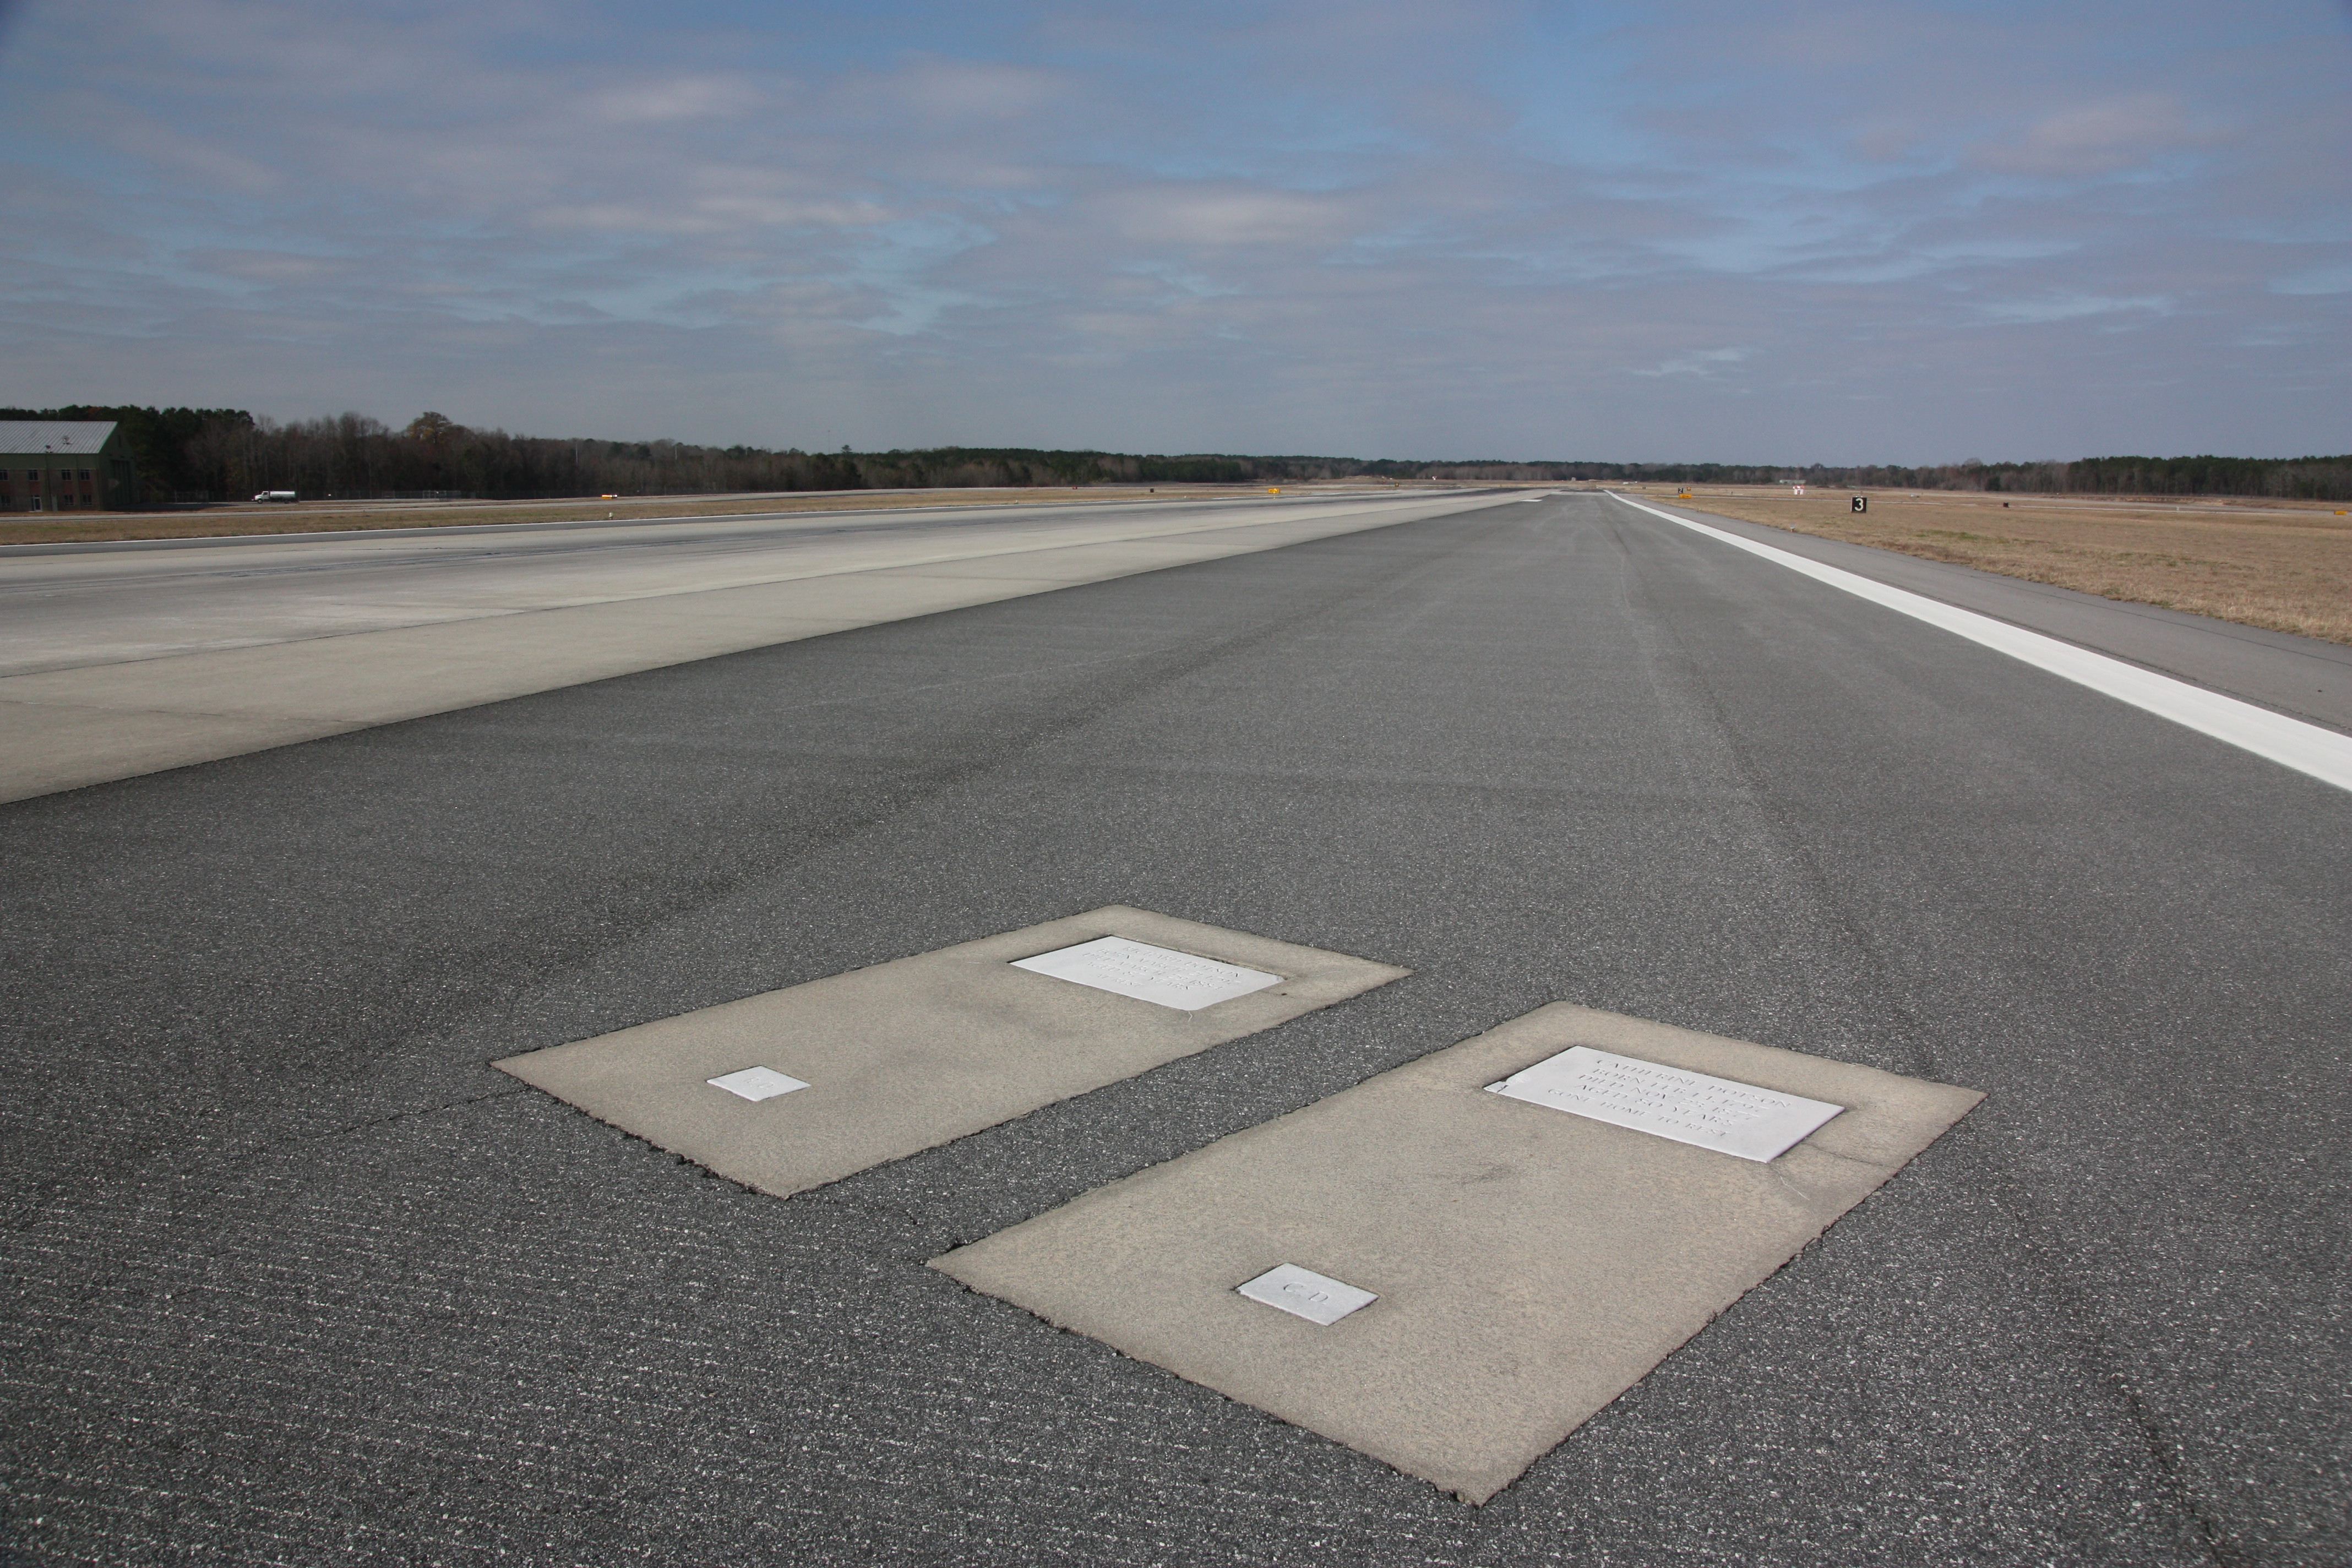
(1862, 503)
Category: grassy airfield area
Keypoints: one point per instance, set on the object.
(2285, 566)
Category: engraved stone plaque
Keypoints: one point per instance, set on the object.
(1179, 980)
(756, 1083)
(1687, 1107)
(1303, 1293)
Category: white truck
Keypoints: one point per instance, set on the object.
(275, 495)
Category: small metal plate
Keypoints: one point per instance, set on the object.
(1692, 1107)
(1180, 980)
(1303, 1293)
(756, 1083)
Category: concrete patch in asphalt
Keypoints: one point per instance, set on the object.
(906, 1054)
(1527, 1266)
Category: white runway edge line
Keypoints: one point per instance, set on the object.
(2306, 748)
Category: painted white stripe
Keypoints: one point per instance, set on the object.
(2306, 748)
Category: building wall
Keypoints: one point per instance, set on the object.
(80, 481)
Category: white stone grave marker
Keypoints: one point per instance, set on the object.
(1179, 980)
(1687, 1107)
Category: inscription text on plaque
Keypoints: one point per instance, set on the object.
(1303, 1293)
(1687, 1107)
(1180, 980)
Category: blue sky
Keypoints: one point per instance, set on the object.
(1837, 232)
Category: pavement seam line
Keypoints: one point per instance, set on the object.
(2309, 749)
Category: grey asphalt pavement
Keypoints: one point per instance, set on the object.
(293, 1275)
(2301, 676)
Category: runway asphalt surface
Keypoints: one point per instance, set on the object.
(293, 1275)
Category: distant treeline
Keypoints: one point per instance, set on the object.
(220, 453)
(2306, 478)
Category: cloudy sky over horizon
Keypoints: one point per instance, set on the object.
(1691, 230)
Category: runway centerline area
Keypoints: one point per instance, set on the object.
(293, 1271)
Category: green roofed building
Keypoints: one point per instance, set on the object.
(64, 465)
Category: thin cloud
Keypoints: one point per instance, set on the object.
(277, 266)
(2070, 307)
(1225, 216)
(1699, 362)
(2102, 137)
(677, 98)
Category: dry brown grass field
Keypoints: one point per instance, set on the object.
(335, 517)
(2285, 566)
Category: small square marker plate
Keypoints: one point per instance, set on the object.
(1303, 1293)
(1692, 1107)
(1161, 974)
(756, 1083)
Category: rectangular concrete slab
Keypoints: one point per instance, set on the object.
(907, 1055)
(1527, 1266)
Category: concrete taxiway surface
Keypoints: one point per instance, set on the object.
(122, 659)
(292, 1271)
